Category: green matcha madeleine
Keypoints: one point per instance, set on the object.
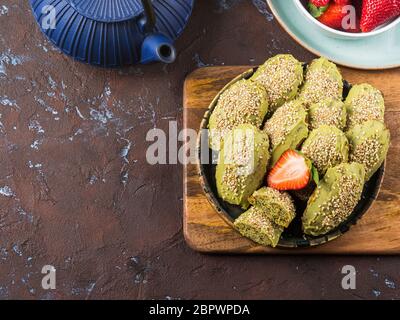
(329, 112)
(363, 103)
(242, 164)
(255, 225)
(334, 199)
(322, 81)
(278, 206)
(326, 147)
(287, 128)
(369, 145)
(281, 76)
(244, 102)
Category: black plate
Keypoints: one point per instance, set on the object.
(292, 237)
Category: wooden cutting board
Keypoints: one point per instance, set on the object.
(378, 231)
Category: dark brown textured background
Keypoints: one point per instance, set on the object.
(76, 191)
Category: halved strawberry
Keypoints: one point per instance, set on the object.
(333, 16)
(292, 172)
(377, 12)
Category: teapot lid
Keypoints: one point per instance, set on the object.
(108, 10)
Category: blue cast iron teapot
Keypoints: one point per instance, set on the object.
(113, 33)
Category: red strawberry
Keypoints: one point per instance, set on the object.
(333, 16)
(342, 1)
(320, 3)
(291, 172)
(315, 11)
(377, 12)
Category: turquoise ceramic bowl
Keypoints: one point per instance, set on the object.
(381, 51)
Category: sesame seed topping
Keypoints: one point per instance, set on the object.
(335, 198)
(367, 153)
(244, 157)
(327, 112)
(326, 147)
(239, 104)
(369, 143)
(368, 104)
(281, 78)
(319, 85)
(283, 120)
(337, 208)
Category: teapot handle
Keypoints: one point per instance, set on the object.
(150, 16)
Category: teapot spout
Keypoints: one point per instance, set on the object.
(157, 47)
